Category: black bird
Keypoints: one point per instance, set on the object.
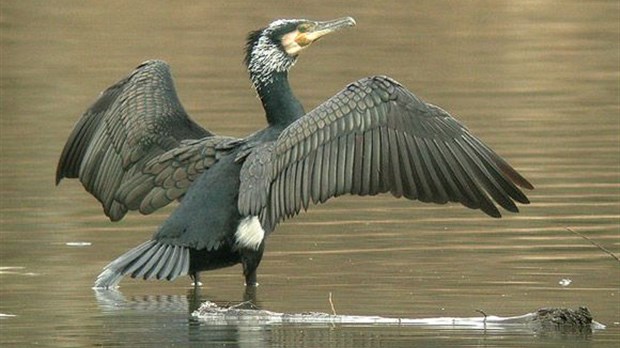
(136, 148)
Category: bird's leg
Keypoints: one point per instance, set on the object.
(195, 279)
(251, 259)
(250, 277)
(249, 299)
(249, 295)
(194, 299)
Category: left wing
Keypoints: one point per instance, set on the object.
(373, 137)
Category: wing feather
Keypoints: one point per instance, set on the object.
(124, 146)
(410, 188)
(374, 137)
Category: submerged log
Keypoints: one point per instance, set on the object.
(562, 320)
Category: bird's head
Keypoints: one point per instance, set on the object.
(275, 48)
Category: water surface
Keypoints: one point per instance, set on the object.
(536, 80)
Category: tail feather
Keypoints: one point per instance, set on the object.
(139, 258)
(169, 266)
(180, 267)
(165, 256)
(149, 260)
(144, 268)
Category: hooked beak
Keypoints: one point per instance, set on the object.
(310, 31)
(317, 30)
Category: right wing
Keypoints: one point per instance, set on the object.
(136, 147)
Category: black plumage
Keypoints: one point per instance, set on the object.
(137, 149)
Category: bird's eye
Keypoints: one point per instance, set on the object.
(304, 27)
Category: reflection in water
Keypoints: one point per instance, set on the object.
(114, 300)
(157, 310)
(244, 323)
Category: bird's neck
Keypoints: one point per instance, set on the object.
(280, 104)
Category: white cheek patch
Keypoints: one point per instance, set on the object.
(250, 233)
(290, 45)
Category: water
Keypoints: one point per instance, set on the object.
(538, 81)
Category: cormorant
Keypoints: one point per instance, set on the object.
(136, 148)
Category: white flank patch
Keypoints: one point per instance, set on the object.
(250, 233)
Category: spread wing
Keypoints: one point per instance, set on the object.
(375, 136)
(133, 148)
(167, 177)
